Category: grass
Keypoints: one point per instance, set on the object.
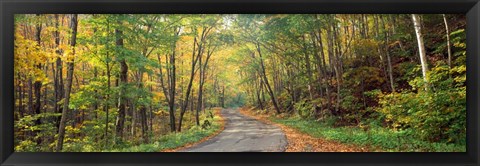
(175, 140)
(380, 139)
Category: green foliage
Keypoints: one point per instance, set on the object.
(73, 143)
(376, 137)
(366, 51)
(26, 127)
(438, 114)
(26, 146)
(175, 140)
(357, 98)
(350, 102)
(305, 109)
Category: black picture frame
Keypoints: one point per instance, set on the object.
(10, 7)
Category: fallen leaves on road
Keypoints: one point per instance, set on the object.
(302, 142)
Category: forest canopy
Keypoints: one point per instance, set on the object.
(104, 82)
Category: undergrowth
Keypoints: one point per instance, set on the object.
(380, 139)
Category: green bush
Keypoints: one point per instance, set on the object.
(435, 114)
(26, 146)
(305, 109)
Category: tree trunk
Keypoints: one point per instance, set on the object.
(106, 107)
(70, 68)
(447, 31)
(421, 48)
(223, 96)
(143, 119)
(323, 67)
(200, 91)
(265, 80)
(387, 52)
(123, 81)
(30, 97)
(171, 81)
(107, 99)
(203, 69)
(20, 102)
(334, 62)
(258, 89)
(58, 79)
(192, 75)
(37, 86)
(151, 107)
(308, 67)
(132, 115)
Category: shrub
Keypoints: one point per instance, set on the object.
(305, 109)
(26, 146)
(436, 114)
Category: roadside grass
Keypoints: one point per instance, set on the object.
(380, 139)
(176, 140)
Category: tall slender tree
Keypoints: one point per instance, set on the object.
(123, 76)
(447, 32)
(421, 46)
(69, 79)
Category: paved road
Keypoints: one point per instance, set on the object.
(243, 134)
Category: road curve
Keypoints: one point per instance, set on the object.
(243, 134)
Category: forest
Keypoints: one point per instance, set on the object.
(152, 82)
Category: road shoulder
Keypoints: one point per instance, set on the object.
(302, 142)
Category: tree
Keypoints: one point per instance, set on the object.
(198, 50)
(122, 102)
(203, 68)
(447, 32)
(265, 79)
(37, 86)
(249, 25)
(58, 77)
(421, 46)
(69, 79)
(169, 84)
(387, 52)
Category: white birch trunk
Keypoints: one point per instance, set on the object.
(421, 47)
